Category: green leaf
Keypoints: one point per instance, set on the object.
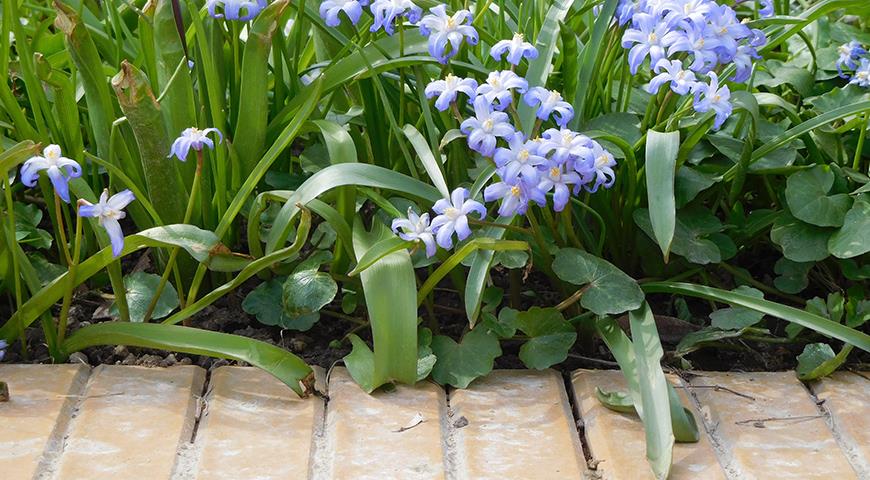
(616, 401)
(360, 363)
(390, 293)
(779, 73)
(608, 289)
(737, 318)
(818, 360)
(140, 288)
(689, 182)
(425, 358)
(656, 414)
(661, 160)
(807, 194)
(854, 238)
(790, 314)
(706, 336)
(379, 251)
(694, 234)
(433, 166)
(504, 326)
(306, 291)
(800, 242)
(266, 303)
(792, 276)
(459, 364)
(283, 365)
(551, 336)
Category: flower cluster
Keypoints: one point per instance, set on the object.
(685, 39)
(241, 10)
(560, 162)
(853, 56)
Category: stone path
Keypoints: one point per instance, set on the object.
(117, 422)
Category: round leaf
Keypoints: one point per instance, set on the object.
(800, 242)
(458, 364)
(608, 289)
(141, 288)
(854, 238)
(307, 291)
(806, 192)
(551, 337)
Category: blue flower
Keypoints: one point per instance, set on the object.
(699, 41)
(624, 11)
(58, 168)
(849, 55)
(549, 102)
(453, 217)
(329, 10)
(514, 195)
(109, 211)
(416, 228)
(716, 98)
(728, 30)
(743, 63)
(597, 168)
(242, 10)
(520, 160)
(485, 127)
(649, 36)
(443, 29)
(557, 179)
(681, 80)
(862, 74)
(693, 10)
(3, 346)
(566, 145)
(498, 88)
(192, 138)
(766, 9)
(448, 89)
(516, 48)
(386, 11)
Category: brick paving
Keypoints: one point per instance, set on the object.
(72, 422)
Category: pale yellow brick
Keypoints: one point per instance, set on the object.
(846, 396)
(34, 420)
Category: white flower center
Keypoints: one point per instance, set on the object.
(845, 50)
(554, 97)
(653, 38)
(488, 124)
(515, 191)
(523, 156)
(555, 173)
(601, 161)
(493, 80)
(452, 213)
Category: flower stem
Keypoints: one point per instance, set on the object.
(10, 240)
(856, 163)
(71, 284)
(61, 229)
(170, 264)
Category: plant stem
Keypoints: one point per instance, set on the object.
(10, 239)
(61, 229)
(856, 163)
(170, 264)
(71, 284)
(574, 298)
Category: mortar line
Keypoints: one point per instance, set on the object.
(729, 464)
(454, 467)
(49, 461)
(322, 450)
(578, 426)
(189, 451)
(847, 446)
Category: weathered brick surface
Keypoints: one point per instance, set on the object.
(519, 425)
(131, 423)
(846, 396)
(777, 433)
(617, 441)
(255, 427)
(34, 420)
(378, 436)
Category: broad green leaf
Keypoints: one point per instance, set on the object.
(737, 318)
(779, 73)
(305, 292)
(853, 238)
(694, 234)
(792, 276)
(425, 358)
(689, 182)
(141, 287)
(608, 289)
(266, 303)
(838, 97)
(661, 161)
(459, 364)
(479, 272)
(807, 194)
(800, 242)
(790, 314)
(433, 166)
(653, 391)
(389, 287)
(360, 363)
(551, 336)
(378, 251)
(504, 326)
(615, 400)
(283, 365)
(818, 360)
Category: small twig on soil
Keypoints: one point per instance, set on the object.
(720, 388)
(759, 422)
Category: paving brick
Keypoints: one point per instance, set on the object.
(519, 425)
(777, 432)
(131, 422)
(255, 427)
(367, 436)
(617, 440)
(847, 399)
(35, 418)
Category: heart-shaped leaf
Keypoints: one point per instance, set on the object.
(818, 360)
(307, 291)
(800, 242)
(737, 318)
(694, 235)
(140, 288)
(608, 289)
(459, 364)
(854, 238)
(792, 275)
(806, 192)
(265, 302)
(551, 336)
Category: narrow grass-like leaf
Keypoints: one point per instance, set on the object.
(591, 52)
(661, 160)
(434, 167)
(280, 363)
(805, 319)
(379, 251)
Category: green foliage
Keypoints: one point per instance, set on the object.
(460, 363)
(607, 289)
(141, 289)
(550, 337)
